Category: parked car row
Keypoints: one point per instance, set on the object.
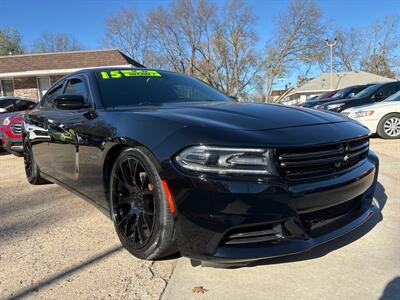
(376, 106)
(12, 110)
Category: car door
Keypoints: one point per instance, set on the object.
(64, 128)
(37, 129)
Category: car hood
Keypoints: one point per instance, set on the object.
(241, 116)
(372, 106)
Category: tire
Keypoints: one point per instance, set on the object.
(389, 126)
(138, 206)
(31, 168)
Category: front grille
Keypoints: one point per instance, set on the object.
(321, 161)
(16, 128)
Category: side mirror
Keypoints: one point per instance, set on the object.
(70, 102)
(2, 110)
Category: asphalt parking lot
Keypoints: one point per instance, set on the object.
(55, 245)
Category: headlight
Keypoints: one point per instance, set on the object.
(361, 114)
(223, 160)
(6, 121)
(334, 106)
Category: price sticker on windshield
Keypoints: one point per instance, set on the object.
(129, 73)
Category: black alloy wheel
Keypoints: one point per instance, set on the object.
(133, 202)
(138, 206)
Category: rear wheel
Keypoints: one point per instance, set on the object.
(139, 208)
(31, 168)
(389, 126)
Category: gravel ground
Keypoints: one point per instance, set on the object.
(54, 245)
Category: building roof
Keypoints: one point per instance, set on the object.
(339, 81)
(62, 62)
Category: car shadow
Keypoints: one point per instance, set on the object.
(392, 290)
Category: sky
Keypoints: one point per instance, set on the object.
(84, 19)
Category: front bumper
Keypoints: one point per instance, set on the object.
(12, 145)
(240, 220)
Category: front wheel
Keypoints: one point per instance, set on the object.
(139, 208)
(389, 126)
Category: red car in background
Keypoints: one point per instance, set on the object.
(10, 134)
(12, 110)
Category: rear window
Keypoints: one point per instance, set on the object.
(129, 87)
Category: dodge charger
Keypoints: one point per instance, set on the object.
(180, 166)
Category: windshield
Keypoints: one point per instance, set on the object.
(130, 87)
(368, 91)
(394, 97)
(341, 94)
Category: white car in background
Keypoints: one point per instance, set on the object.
(382, 117)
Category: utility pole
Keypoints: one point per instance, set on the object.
(330, 44)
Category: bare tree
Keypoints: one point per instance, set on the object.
(235, 58)
(296, 39)
(382, 41)
(126, 30)
(182, 33)
(55, 42)
(10, 42)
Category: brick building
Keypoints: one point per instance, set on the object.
(31, 75)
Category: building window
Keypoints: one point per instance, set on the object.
(7, 87)
(43, 84)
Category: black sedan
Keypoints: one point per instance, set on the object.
(179, 166)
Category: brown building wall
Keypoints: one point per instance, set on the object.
(26, 87)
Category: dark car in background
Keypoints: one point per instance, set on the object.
(10, 107)
(179, 166)
(373, 93)
(345, 93)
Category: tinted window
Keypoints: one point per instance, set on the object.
(342, 93)
(7, 104)
(368, 91)
(137, 88)
(49, 97)
(23, 105)
(76, 86)
(389, 90)
(358, 89)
